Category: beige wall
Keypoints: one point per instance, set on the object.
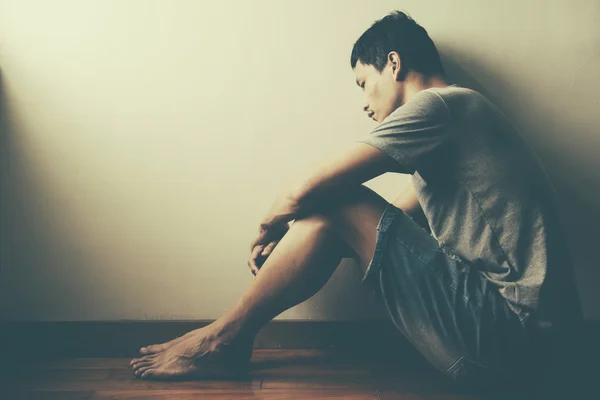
(142, 141)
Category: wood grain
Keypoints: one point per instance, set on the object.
(274, 374)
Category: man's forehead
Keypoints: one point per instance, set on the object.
(360, 72)
(359, 68)
(363, 69)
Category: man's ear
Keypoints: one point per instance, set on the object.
(397, 71)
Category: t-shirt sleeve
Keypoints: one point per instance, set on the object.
(413, 132)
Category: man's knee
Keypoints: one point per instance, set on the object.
(357, 200)
(354, 215)
(317, 220)
(323, 222)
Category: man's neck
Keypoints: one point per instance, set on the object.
(414, 83)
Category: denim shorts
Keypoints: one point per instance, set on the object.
(445, 306)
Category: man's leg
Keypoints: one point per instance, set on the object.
(298, 267)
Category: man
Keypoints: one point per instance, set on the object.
(472, 295)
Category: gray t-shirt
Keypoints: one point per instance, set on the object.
(486, 197)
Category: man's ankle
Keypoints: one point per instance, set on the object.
(228, 332)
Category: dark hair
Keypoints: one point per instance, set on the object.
(397, 32)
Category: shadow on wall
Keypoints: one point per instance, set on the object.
(30, 237)
(5, 216)
(550, 133)
(6, 244)
(8, 235)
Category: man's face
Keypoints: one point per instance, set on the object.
(383, 93)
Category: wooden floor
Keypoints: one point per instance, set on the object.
(274, 374)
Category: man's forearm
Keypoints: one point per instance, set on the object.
(311, 199)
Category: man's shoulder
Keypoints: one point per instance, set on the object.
(468, 104)
(457, 94)
(436, 102)
(454, 90)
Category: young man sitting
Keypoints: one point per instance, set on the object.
(474, 294)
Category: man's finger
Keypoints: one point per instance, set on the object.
(269, 248)
(261, 239)
(253, 256)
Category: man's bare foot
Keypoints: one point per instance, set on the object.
(199, 353)
(157, 348)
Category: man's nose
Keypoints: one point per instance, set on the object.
(365, 107)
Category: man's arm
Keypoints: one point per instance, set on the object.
(331, 179)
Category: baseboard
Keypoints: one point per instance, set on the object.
(124, 338)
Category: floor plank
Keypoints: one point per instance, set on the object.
(27, 395)
(134, 383)
(258, 356)
(235, 394)
(81, 363)
(391, 395)
(64, 374)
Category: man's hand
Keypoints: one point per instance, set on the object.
(261, 252)
(272, 228)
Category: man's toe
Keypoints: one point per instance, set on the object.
(143, 369)
(148, 373)
(153, 349)
(142, 364)
(149, 357)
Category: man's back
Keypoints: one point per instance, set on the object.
(486, 197)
